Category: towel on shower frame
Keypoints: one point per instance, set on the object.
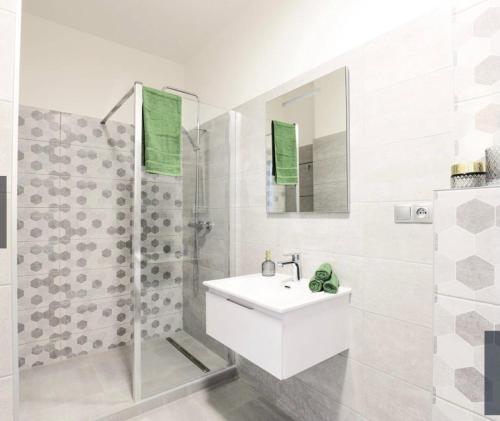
(162, 142)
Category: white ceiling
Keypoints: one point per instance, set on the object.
(173, 29)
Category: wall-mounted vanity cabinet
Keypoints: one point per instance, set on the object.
(276, 323)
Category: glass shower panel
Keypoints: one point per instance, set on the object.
(184, 241)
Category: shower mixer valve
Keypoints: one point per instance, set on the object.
(202, 225)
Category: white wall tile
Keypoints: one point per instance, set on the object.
(390, 399)
(9, 5)
(445, 411)
(420, 47)
(6, 329)
(332, 233)
(250, 257)
(461, 5)
(384, 239)
(7, 29)
(356, 347)
(339, 378)
(400, 348)
(254, 226)
(415, 108)
(413, 169)
(305, 403)
(6, 398)
(398, 289)
(6, 140)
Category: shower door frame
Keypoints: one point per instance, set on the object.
(136, 244)
(224, 374)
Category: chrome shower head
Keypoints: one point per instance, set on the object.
(193, 143)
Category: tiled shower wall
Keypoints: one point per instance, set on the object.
(74, 227)
(467, 285)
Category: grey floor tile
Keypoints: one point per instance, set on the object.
(257, 409)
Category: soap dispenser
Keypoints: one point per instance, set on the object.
(268, 266)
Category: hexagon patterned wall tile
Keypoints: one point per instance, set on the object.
(74, 227)
(476, 47)
(467, 262)
(476, 40)
(458, 356)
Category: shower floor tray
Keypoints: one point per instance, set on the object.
(96, 385)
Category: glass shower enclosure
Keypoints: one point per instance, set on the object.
(180, 239)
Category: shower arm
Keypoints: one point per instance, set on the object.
(130, 92)
(122, 101)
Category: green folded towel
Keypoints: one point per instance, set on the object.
(332, 285)
(162, 132)
(284, 153)
(324, 272)
(315, 285)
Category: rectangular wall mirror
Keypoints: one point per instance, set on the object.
(307, 147)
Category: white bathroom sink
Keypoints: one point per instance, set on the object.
(278, 323)
(275, 294)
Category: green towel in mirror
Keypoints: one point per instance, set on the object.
(332, 285)
(284, 143)
(324, 272)
(162, 143)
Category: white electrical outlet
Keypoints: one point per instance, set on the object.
(413, 213)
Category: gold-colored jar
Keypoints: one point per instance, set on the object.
(468, 175)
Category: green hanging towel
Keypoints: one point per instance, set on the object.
(162, 143)
(332, 285)
(284, 144)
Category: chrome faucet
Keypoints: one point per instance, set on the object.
(295, 260)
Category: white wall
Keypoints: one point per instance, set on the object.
(67, 70)
(274, 41)
(9, 62)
